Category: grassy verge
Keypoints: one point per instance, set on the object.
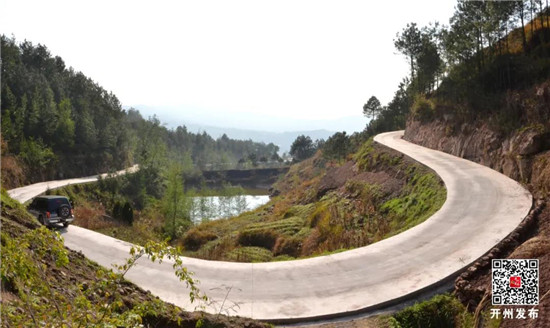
(377, 194)
(322, 208)
(443, 311)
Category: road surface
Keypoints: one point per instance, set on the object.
(24, 194)
(482, 208)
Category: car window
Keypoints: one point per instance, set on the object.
(42, 204)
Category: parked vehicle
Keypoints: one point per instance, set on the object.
(50, 210)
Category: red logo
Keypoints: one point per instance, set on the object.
(515, 282)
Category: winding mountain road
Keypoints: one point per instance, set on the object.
(482, 208)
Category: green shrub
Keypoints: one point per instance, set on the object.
(128, 213)
(259, 238)
(422, 109)
(117, 210)
(320, 213)
(195, 238)
(291, 246)
(250, 254)
(287, 226)
(439, 312)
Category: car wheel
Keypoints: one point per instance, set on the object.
(64, 211)
(41, 220)
(65, 224)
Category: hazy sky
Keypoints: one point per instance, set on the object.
(228, 59)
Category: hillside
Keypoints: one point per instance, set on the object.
(323, 206)
(45, 283)
(478, 89)
(58, 123)
(493, 107)
(522, 154)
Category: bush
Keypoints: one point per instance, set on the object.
(337, 146)
(259, 238)
(291, 246)
(321, 213)
(128, 213)
(250, 254)
(117, 210)
(439, 311)
(422, 109)
(195, 238)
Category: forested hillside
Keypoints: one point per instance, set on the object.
(469, 68)
(480, 89)
(58, 123)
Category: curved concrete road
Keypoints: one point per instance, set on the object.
(482, 207)
(24, 194)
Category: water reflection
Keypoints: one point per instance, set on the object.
(218, 207)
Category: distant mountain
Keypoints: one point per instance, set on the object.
(282, 139)
(279, 130)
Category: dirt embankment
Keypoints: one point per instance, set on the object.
(523, 155)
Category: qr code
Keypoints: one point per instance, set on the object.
(515, 282)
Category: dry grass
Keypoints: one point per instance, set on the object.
(12, 172)
(92, 217)
(514, 39)
(349, 213)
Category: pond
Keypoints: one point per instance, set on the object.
(219, 207)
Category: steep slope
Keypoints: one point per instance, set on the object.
(44, 283)
(325, 206)
(522, 154)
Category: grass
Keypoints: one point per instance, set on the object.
(288, 226)
(297, 224)
(250, 254)
(424, 194)
(443, 310)
(396, 194)
(439, 311)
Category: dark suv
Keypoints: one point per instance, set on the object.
(52, 209)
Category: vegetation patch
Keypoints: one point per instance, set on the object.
(285, 226)
(424, 194)
(440, 311)
(250, 254)
(375, 195)
(258, 237)
(45, 284)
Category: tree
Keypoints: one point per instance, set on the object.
(392, 117)
(429, 62)
(409, 43)
(127, 213)
(38, 157)
(302, 148)
(64, 134)
(337, 146)
(520, 12)
(175, 205)
(9, 107)
(372, 107)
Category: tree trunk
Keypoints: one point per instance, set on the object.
(412, 68)
(547, 15)
(533, 20)
(523, 37)
(541, 15)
